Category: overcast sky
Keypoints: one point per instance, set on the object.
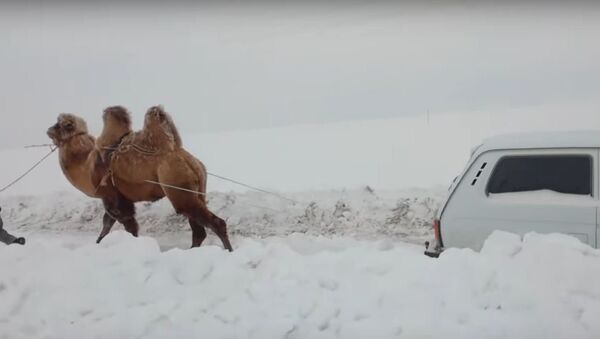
(221, 67)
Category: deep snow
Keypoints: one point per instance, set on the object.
(299, 287)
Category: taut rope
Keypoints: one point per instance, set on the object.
(145, 151)
(204, 194)
(52, 149)
(253, 188)
(152, 152)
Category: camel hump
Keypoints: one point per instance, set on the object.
(118, 114)
(159, 120)
(117, 124)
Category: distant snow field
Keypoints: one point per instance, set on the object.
(394, 154)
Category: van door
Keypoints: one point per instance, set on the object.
(543, 191)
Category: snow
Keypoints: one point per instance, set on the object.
(337, 263)
(544, 286)
(542, 197)
(361, 213)
(530, 140)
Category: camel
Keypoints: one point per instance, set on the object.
(77, 154)
(118, 166)
(82, 165)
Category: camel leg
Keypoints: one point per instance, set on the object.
(123, 210)
(107, 222)
(202, 216)
(195, 209)
(219, 226)
(198, 232)
(127, 218)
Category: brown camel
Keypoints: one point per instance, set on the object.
(117, 167)
(82, 165)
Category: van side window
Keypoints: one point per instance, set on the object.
(570, 174)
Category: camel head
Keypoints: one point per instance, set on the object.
(158, 120)
(67, 126)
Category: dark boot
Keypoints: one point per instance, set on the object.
(19, 240)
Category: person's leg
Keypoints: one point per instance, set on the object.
(6, 237)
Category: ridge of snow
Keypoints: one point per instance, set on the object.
(367, 214)
(300, 287)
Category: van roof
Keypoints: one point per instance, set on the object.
(566, 139)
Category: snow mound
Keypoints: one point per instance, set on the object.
(299, 287)
(361, 213)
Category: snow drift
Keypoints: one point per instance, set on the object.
(544, 286)
(363, 214)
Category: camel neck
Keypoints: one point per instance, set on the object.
(78, 147)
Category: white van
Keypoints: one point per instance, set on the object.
(540, 182)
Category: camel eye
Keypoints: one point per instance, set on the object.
(68, 126)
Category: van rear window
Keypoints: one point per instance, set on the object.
(571, 174)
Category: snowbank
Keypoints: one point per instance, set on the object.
(365, 214)
(546, 286)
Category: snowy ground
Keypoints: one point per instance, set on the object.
(298, 286)
(335, 264)
(362, 214)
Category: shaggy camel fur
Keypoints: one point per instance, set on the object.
(118, 166)
(82, 165)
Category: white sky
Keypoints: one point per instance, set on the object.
(223, 67)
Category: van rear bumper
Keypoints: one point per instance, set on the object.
(433, 251)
